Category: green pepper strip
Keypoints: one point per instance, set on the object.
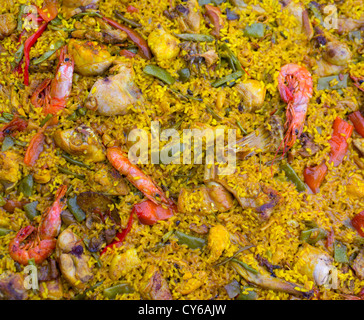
(121, 288)
(75, 209)
(245, 266)
(18, 55)
(46, 55)
(126, 20)
(340, 254)
(74, 161)
(20, 17)
(293, 177)
(82, 296)
(184, 74)
(306, 235)
(251, 295)
(324, 82)
(159, 73)
(31, 210)
(26, 186)
(66, 171)
(195, 37)
(8, 142)
(191, 241)
(255, 30)
(4, 231)
(230, 77)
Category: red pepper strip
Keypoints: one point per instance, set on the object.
(127, 53)
(27, 45)
(17, 124)
(358, 121)
(133, 36)
(339, 145)
(49, 10)
(214, 14)
(149, 213)
(358, 223)
(342, 131)
(120, 236)
(132, 9)
(314, 176)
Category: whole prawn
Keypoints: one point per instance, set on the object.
(52, 94)
(136, 177)
(43, 242)
(295, 88)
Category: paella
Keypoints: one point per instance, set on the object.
(181, 150)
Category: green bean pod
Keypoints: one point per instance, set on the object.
(77, 212)
(121, 288)
(229, 78)
(293, 177)
(4, 231)
(195, 37)
(50, 52)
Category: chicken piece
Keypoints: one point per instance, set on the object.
(72, 260)
(218, 240)
(325, 68)
(108, 181)
(359, 144)
(48, 270)
(8, 24)
(9, 168)
(12, 286)
(191, 283)
(303, 24)
(309, 148)
(315, 263)
(105, 36)
(200, 229)
(222, 199)
(91, 58)
(195, 201)
(163, 45)
(51, 289)
(113, 95)
(358, 265)
(153, 286)
(123, 263)
(346, 25)
(73, 7)
(355, 187)
(252, 93)
(81, 141)
(337, 53)
(189, 16)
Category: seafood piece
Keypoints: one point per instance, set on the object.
(163, 45)
(73, 7)
(41, 246)
(113, 95)
(91, 58)
(252, 92)
(9, 168)
(81, 141)
(52, 94)
(12, 286)
(135, 176)
(295, 87)
(17, 124)
(8, 25)
(346, 25)
(266, 138)
(108, 181)
(153, 286)
(218, 240)
(73, 262)
(196, 55)
(314, 263)
(123, 263)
